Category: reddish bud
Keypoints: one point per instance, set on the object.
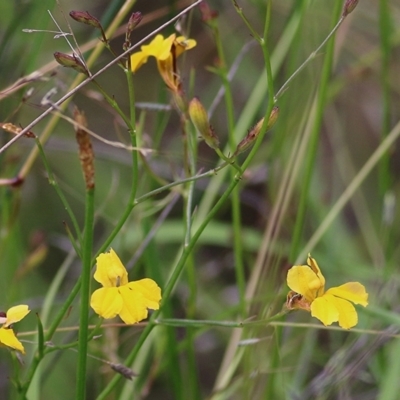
(85, 18)
(133, 22)
(349, 6)
(207, 15)
(69, 61)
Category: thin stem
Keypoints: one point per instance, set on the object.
(112, 102)
(246, 21)
(309, 58)
(85, 292)
(223, 324)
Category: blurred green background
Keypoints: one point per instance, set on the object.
(359, 109)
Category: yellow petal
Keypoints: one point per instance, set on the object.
(153, 47)
(165, 68)
(138, 296)
(303, 280)
(106, 302)
(314, 266)
(134, 306)
(8, 338)
(347, 313)
(182, 44)
(15, 314)
(330, 309)
(352, 291)
(165, 50)
(137, 60)
(325, 309)
(110, 271)
(159, 47)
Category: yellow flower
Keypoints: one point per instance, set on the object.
(7, 335)
(165, 51)
(129, 300)
(334, 305)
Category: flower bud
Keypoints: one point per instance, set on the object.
(207, 14)
(252, 135)
(85, 18)
(349, 6)
(133, 22)
(70, 62)
(199, 117)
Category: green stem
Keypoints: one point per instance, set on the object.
(309, 58)
(231, 160)
(246, 21)
(112, 102)
(85, 293)
(184, 323)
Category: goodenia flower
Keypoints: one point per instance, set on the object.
(118, 296)
(7, 335)
(334, 305)
(166, 51)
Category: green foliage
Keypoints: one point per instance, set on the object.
(217, 230)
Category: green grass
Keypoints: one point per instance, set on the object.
(218, 237)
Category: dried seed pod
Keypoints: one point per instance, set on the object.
(253, 133)
(86, 154)
(123, 370)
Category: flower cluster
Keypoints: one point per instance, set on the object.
(118, 296)
(334, 305)
(7, 335)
